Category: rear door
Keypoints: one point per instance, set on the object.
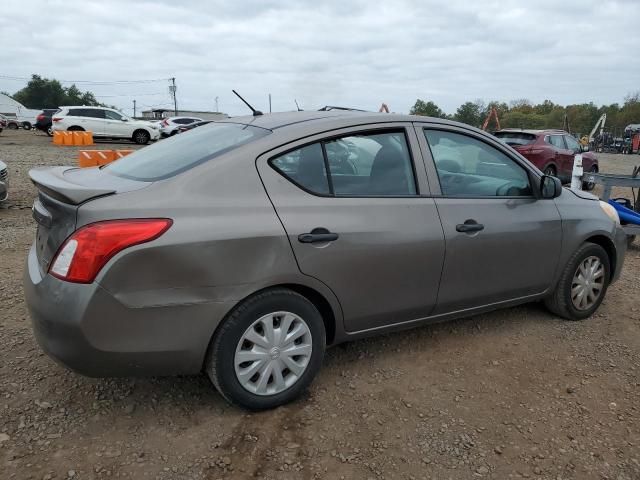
(502, 243)
(359, 218)
(93, 120)
(563, 156)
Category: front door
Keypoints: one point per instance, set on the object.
(502, 243)
(352, 208)
(116, 125)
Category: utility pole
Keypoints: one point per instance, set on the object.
(134, 109)
(269, 103)
(217, 108)
(172, 89)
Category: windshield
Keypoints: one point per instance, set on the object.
(184, 151)
(516, 138)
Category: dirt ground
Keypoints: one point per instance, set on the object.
(517, 393)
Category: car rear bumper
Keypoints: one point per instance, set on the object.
(87, 329)
(4, 191)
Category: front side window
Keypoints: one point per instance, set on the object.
(111, 115)
(183, 152)
(372, 164)
(468, 167)
(572, 143)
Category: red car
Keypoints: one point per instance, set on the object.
(552, 151)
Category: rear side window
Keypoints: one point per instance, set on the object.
(183, 152)
(557, 141)
(516, 138)
(377, 165)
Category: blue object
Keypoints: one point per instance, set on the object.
(626, 214)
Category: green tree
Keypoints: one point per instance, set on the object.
(45, 93)
(471, 113)
(428, 109)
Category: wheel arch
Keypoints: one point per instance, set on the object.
(323, 305)
(609, 247)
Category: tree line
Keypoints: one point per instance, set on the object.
(524, 114)
(49, 93)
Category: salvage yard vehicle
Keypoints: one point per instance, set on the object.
(243, 249)
(4, 181)
(552, 151)
(104, 123)
(170, 126)
(44, 122)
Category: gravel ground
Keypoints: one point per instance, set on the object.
(513, 394)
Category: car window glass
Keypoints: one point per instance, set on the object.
(557, 141)
(182, 152)
(111, 115)
(572, 143)
(305, 167)
(371, 165)
(467, 166)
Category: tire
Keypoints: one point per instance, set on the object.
(550, 171)
(588, 186)
(141, 137)
(222, 365)
(560, 301)
(75, 129)
(12, 126)
(26, 125)
(49, 131)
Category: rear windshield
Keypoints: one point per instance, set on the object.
(174, 155)
(516, 138)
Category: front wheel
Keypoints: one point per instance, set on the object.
(268, 350)
(582, 285)
(588, 186)
(550, 171)
(141, 137)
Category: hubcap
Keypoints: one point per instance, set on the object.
(588, 283)
(273, 353)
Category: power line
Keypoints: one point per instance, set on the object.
(131, 95)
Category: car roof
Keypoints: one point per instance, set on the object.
(86, 106)
(273, 121)
(533, 131)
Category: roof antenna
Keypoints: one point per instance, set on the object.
(297, 106)
(256, 113)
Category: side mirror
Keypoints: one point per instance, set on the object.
(124, 119)
(550, 187)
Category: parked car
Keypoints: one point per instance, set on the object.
(44, 122)
(552, 151)
(3, 122)
(191, 126)
(243, 249)
(10, 123)
(104, 123)
(169, 126)
(4, 181)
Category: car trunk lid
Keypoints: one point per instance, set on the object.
(61, 192)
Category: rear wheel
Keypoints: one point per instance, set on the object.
(582, 285)
(268, 350)
(141, 137)
(550, 171)
(50, 131)
(12, 126)
(75, 129)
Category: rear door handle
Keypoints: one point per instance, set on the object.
(469, 226)
(318, 235)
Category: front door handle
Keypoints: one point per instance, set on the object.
(469, 226)
(318, 235)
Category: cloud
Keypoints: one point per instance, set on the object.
(346, 52)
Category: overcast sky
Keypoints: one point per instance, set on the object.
(345, 52)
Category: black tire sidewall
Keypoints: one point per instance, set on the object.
(226, 341)
(147, 137)
(587, 250)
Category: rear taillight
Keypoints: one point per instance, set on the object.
(84, 253)
(55, 119)
(165, 123)
(40, 117)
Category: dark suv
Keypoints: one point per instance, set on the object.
(43, 120)
(552, 151)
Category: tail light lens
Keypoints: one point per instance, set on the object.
(165, 123)
(40, 117)
(84, 253)
(55, 119)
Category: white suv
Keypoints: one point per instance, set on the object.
(104, 123)
(169, 126)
